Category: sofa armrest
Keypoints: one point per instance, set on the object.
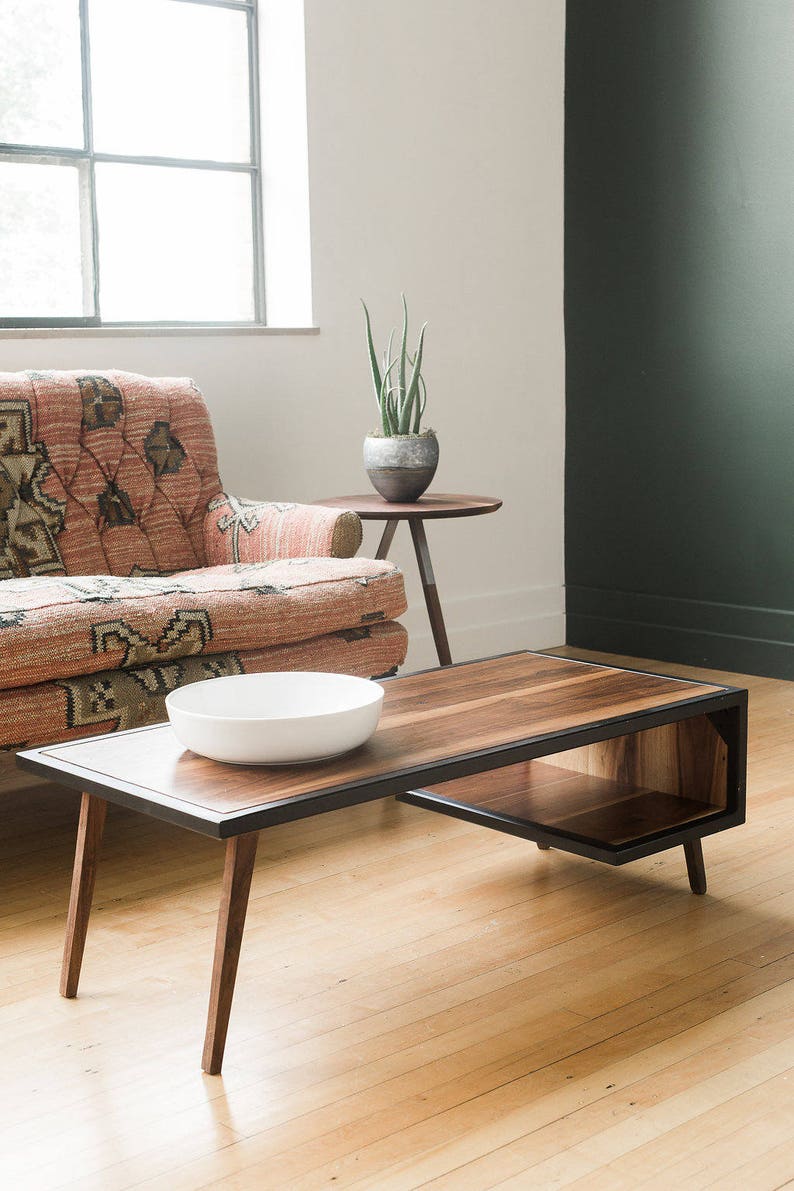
(257, 531)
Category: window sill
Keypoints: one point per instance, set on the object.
(124, 331)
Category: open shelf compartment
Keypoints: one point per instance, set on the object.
(613, 800)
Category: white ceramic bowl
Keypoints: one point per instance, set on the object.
(275, 719)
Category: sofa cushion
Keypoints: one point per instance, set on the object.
(59, 627)
(116, 699)
(103, 472)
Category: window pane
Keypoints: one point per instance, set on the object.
(41, 273)
(174, 244)
(170, 80)
(40, 74)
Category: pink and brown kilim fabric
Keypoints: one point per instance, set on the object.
(103, 474)
(63, 626)
(245, 531)
(125, 570)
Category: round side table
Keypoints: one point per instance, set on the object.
(430, 507)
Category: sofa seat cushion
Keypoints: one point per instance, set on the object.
(60, 627)
(116, 699)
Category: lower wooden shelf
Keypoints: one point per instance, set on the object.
(594, 816)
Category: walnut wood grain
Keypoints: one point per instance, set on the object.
(387, 537)
(429, 719)
(237, 873)
(604, 811)
(695, 865)
(688, 758)
(437, 504)
(426, 574)
(91, 826)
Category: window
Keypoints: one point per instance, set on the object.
(130, 167)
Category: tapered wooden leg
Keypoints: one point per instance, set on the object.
(386, 540)
(696, 869)
(431, 591)
(545, 847)
(240, 857)
(89, 839)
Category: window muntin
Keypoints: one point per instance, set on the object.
(164, 238)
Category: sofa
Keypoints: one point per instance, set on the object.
(126, 570)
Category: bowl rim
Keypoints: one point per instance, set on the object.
(377, 692)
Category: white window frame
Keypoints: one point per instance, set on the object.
(87, 155)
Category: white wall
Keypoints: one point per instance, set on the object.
(435, 151)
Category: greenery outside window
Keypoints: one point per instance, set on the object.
(130, 163)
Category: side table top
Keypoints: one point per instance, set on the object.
(371, 507)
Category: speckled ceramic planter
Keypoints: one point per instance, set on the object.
(401, 468)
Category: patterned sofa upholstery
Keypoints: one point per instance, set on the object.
(126, 570)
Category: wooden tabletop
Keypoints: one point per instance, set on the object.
(371, 507)
(436, 726)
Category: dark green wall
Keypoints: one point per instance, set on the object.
(679, 274)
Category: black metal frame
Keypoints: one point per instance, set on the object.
(88, 156)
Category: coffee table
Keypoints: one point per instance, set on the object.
(633, 764)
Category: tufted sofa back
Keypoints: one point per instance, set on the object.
(103, 473)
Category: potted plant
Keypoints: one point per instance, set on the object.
(400, 457)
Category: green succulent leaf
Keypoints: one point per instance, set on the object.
(401, 401)
(420, 405)
(391, 414)
(373, 360)
(386, 403)
(413, 389)
(387, 353)
(403, 347)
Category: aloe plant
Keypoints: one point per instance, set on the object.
(401, 397)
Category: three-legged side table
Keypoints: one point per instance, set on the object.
(429, 507)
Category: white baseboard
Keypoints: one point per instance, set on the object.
(493, 622)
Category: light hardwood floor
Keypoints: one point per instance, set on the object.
(420, 1003)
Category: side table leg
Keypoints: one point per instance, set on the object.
(386, 539)
(430, 590)
(695, 867)
(238, 869)
(544, 847)
(93, 811)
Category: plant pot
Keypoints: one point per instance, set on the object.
(400, 468)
